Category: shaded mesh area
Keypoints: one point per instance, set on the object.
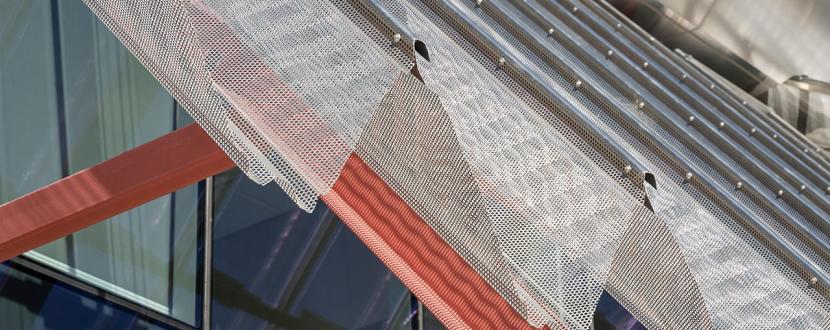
(279, 99)
(649, 254)
(517, 185)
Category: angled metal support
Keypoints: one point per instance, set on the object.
(130, 179)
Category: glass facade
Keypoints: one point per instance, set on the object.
(30, 300)
(276, 266)
(72, 96)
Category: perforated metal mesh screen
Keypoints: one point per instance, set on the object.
(527, 140)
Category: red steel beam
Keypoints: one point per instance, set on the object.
(130, 179)
(415, 253)
(428, 266)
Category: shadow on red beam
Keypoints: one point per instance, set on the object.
(137, 176)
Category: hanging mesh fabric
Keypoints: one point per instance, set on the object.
(539, 185)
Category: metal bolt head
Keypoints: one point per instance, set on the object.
(752, 131)
(802, 188)
(691, 119)
(744, 102)
(652, 39)
(619, 26)
(775, 136)
(578, 83)
(711, 86)
(683, 77)
(721, 124)
(502, 61)
(780, 193)
(645, 65)
(574, 9)
(739, 185)
(550, 32)
(641, 105)
(610, 53)
(813, 281)
(479, 2)
(689, 176)
(627, 169)
(827, 190)
(396, 38)
(806, 150)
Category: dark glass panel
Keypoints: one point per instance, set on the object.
(276, 266)
(29, 300)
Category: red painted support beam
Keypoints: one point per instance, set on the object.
(418, 256)
(392, 230)
(130, 179)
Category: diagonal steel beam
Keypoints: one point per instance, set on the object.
(130, 179)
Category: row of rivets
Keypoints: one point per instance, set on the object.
(691, 119)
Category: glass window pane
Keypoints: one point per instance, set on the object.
(29, 300)
(72, 96)
(276, 266)
(29, 142)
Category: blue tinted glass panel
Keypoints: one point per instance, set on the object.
(31, 301)
(276, 266)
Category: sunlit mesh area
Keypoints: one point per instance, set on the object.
(557, 149)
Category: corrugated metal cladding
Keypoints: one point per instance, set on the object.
(557, 148)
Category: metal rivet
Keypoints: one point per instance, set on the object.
(396, 38)
(813, 281)
(689, 176)
(578, 83)
(645, 65)
(806, 150)
(691, 119)
(802, 188)
(780, 193)
(502, 61)
(744, 102)
(712, 86)
(683, 77)
(610, 53)
(827, 190)
(739, 185)
(550, 32)
(574, 9)
(479, 2)
(627, 169)
(752, 131)
(721, 124)
(651, 39)
(775, 136)
(641, 105)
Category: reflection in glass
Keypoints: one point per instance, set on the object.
(29, 300)
(276, 266)
(72, 96)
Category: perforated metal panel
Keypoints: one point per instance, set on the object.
(557, 149)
